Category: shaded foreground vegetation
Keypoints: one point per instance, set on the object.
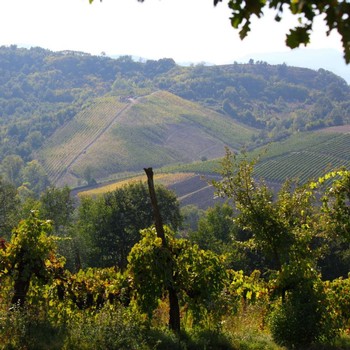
(263, 271)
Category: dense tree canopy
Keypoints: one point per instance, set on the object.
(293, 230)
(57, 205)
(289, 225)
(110, 225)
(9, 205)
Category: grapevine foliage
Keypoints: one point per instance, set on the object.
(30, 253)
(198, 276)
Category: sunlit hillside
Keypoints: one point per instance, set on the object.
(154, 130)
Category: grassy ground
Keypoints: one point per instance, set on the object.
(123, 329)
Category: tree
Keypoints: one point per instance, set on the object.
(191, 215)
(336, 12)
(335, 222)
(216, 229)
(11, 168)
(196, 276)
(9, 205)
(337, 17)
(273, 221)
(56, 204)
(336, 205)
(290, 228)
(88, 176)
(174, 308)
(34, 175)
(109, 226)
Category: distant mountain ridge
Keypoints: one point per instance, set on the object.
(329, 59)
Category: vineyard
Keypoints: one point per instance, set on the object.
(160, 178)
(156, 130)
(162, 110)
(305, 156)
(175, 135)
(72, 141)
(302, 156)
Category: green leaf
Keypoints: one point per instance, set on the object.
(245, 30)
(297, 36)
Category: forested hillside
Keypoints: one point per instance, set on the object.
(43, 94)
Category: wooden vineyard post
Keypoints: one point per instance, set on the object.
(174, 312)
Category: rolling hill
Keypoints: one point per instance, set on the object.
(155, 130)
(301, 157)
(88, 118)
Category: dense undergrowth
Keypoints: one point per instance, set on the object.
(124, 328)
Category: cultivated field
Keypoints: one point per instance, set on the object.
(156, 130)
(305, 156)
(74, 139)
(160, 178)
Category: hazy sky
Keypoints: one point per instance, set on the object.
(186, 30)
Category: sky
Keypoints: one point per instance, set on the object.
(185, 30)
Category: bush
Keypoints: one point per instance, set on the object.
(304, 317)
(107, 329)
(21, 328)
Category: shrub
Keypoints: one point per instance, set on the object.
(21, 328)
(109, 328)
(304, 317)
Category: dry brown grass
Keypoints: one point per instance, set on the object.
(164, 179)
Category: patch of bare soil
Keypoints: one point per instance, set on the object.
(196, 191)
(343, 129)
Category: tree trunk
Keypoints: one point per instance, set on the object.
(21, 287)
(174, 312)
(156, 213)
